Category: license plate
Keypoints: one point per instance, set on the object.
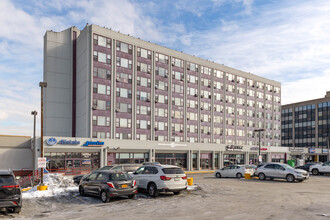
(176, 179)
(124, 186)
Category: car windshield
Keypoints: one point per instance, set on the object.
(119, 176)
(105, 168)
(287, 166)
(6, 179)
(173, 171)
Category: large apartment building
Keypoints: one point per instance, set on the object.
(307, 125)
(106, 85)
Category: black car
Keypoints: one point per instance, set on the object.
(129, 168)
(305, 166)
(10, 192)
(108, 184)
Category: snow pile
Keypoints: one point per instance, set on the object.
(58, 185)
(193, 187)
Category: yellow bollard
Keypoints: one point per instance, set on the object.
(190, 181)
(247, 176)
(41, 188)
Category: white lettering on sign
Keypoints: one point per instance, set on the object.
(42, 162)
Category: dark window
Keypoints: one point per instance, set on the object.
(173, 171)
(119, 176)
(270, 166)
(7, 179)
(150, 170)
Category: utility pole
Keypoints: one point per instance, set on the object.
(34, 113)
(42, 86)
(259, 156)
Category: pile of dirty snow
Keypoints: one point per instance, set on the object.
(193, 187)
(57, 185)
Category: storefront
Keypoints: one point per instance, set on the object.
(206, 161)
(278, 158)
(72, 162)
(178, 159)
(230, 159)
(254, 158)
(120, 158)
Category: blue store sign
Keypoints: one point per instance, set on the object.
(93, 143)
(52, 141)
(311, 150)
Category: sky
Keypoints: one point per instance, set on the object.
(284, 40)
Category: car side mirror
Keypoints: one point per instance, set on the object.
(135, 173)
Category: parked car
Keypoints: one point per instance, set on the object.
(237, 171)
(306, 166)
(129, 168)
(10, 192)
(107, 184)
(160, 178)
(320, 168)
(250, 169)
(280, 171)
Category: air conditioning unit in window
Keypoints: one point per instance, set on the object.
(118, 79)
(202, 96)
(181, 131)
(117, 110)
(94, 107)
(208, 133)
(202, 108)
(202, 120)
(166, 76)
(148, 99)
(195, 95)
(156, 86)
(156, 129)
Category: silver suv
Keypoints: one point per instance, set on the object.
(280, 171)
(160, 178)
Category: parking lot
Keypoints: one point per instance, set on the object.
(216, 199)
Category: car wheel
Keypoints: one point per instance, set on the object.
(315, 172)
(152, 190)
(239, 175)
(262, 176)
(218, 175)
(133, 196)
(81, 191)
(177, 193)
(15, 210)
(105, 197)
(290, 178)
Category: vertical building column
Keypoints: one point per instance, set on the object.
(188, 160)
(185, 102)
(199, 105)
(113, 89)
(213, 160)
(153, 83)
(169, 102)
(134, 91)
(212, 108)
(199, 160)
(151, 155)
(246, 157)
(316, 126)
(269, 157)
(105, 160)
(101, 157)
(220, 160)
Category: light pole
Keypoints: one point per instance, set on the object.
(259, 130)
(34, 113)
(327, 138)
(42, 86)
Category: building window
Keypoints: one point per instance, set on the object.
(161, 126)
(143, 124)
(123, 107)
(122, 62)
(123, 47)
(102, 73)
(177, 62)
(124, 93)
(123, 77)
(143, 110)
(142, 81)
(123, 136)
(102, 57)
(161, 85)
(144, 96)
(143, 53)
(161, 58)
(161, 71)
(102, 41)
(143, 67)
(161, 99)
(123, 122)
(161, 112)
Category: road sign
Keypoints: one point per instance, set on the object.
(42, 162)
(260, 158)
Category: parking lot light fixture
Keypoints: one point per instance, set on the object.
(254, 131)
(42, 86)
(34, 113)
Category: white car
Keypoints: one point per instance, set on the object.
(237, 171)
(160, 178)
(320, 168)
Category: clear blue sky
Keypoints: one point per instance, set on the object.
(284, 40)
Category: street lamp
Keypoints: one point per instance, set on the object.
(259, 130)
(42, 86)
(34, 113)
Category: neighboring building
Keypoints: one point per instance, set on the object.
(16, 154)
(307, 125)
(106, 85)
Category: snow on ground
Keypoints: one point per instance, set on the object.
(193, 187)
(58, 185)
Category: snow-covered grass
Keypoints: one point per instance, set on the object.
(58, 185)
(193, 187)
